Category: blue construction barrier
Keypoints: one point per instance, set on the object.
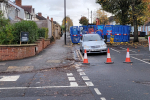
(108, 30)
(121, 33)
(118, 33)
(100, 29)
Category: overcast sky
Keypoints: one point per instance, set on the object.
(55, 8)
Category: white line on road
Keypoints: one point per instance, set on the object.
(115, 50)
(89, 84)
(82, 73)
(129, 50)
(140, 60)
(73, 84)
(102, 98)
(9, 78)
(85, 78)
(69, 74)
(97, 91)
(43, 87)
(79, 70)
(77, 67)
(71, 79)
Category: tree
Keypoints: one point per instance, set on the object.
(102, 16)
(3, 21)
(83, 20)
(69, 23)
(127, 12)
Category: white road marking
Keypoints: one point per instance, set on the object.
(85, 78)
(3, 64)
(82, 73)
(135, 54)
(89, 84)
(129, 50)
(43, 87)
(140, 60)
(102, 98)
(115, 50)
(9, 78)
(97, 91)
(71, 79)
(79, 70)
(77, 67)
(37, 82)
(73, 84)
(69, 74)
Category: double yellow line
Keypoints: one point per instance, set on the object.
(79, 55)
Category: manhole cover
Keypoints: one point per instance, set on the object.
(54, 61)
(20, 68)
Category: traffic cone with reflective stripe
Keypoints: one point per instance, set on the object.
(127, 57)
(108, 61)
(85, 61)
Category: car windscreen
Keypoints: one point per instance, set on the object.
(92, 38)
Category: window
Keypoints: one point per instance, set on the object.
(17, 13)
(27, 15)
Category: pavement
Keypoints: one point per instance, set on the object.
(56, 55)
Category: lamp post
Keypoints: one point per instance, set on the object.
(88, 14)
(65, 20)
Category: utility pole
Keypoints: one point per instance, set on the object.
(88, 14)
(65, 20)
(91, 17)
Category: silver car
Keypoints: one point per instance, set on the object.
(93, 43)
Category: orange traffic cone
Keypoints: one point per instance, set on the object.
(85, 61)
(108, 61)
(127, 57)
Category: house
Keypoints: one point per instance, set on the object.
(112, 21)
(40, 17)
(3, 8)
(29, 12)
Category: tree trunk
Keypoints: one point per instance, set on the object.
(135, 23)
(135, 29)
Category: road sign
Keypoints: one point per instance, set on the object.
(149, 42)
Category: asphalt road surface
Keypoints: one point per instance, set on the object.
(97, 81)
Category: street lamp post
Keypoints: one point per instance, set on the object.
(88, 14)
(65, 20)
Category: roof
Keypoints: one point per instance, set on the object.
(40, 18)
(27, 8)
(148, 24)
(111, 18)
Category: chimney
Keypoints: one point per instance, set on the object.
(48, 17)
(18, 2)
(52, 19)
(40, 14)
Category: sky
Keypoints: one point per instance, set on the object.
(55, 9)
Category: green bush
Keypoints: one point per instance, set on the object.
(26, 26)
(46, 32)
(6, 34)
(43, 32)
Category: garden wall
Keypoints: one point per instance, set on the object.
(14, 52)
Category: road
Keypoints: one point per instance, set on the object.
(97, 81)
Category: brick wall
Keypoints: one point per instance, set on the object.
(13, 52)
(10, 52)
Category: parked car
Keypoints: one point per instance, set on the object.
(93, 43)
